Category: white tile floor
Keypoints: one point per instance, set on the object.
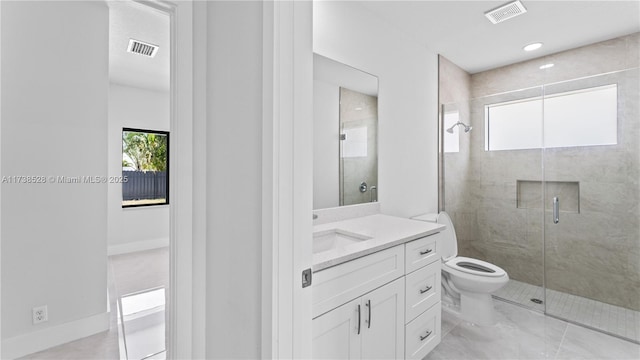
(525, 334)
(519, 334)
(142, 324)
(612, 319)
(135, 275)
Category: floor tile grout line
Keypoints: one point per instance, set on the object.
(564, 334)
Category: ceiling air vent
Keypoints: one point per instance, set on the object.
(142, 48)
(505, 12)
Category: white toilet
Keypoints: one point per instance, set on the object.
(467, 283)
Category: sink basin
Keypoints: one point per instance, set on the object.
(335, 239)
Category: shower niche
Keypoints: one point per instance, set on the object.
(528, 195)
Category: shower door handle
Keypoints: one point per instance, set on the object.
(556, 210)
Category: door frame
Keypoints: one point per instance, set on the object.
(286, 182)
(287, 177)
(179, 307)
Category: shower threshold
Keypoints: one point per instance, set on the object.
(614, 320)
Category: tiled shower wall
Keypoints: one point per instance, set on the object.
(358, 110)
(594, 253)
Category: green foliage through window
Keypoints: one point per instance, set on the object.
(146, 151)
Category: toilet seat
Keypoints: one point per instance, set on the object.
(474, 266)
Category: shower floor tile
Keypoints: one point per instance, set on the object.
(609, 318)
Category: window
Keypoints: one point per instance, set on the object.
(451, 140)
(145, 167)
(585, 117)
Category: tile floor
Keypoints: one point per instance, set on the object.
(519, 334)
(134, 275)
(525, 334)
(609, 318)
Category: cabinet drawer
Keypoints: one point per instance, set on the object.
(422, 252)
(423, 333)
(422, 290)
(337, 285)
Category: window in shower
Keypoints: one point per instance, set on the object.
(585, 117)
(452, 140)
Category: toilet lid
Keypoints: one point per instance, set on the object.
(449, 244)
(475, 267)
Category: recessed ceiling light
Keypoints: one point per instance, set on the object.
(532, 47)
(358, 109)
(546, 66)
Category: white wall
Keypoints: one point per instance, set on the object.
(54, 123)
(326, 153)
(134, 229)
(234, 179)
(407, 103)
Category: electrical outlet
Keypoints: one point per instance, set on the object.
(40, 314)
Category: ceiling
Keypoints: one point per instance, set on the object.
(459, 31)
(128, 19)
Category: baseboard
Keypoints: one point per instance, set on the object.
(21, 345)
(137, 246)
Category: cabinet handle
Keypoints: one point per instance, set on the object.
(422, 338)
(358, 319)
(425, 290)
(369, 307)
(426, 252)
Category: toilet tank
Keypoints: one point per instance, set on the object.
(449, 246)
(427, 217)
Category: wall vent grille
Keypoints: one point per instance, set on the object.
(142, 48)
(505, 12)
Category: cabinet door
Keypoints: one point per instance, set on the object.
(336, 333)
(383, 322)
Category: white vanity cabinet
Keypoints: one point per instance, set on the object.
(423, 296)
(385, 305)
(369, 327)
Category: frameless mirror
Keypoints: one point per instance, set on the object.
(345, 160)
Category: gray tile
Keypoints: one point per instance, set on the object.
(519, 334)
(583, 343)
(449, 322)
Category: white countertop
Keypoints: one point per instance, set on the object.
(385, 232)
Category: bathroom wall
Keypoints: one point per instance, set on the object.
(407, 101)
(326, 147)
(134, 229)
(594, 253)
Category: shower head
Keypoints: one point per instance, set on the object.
(467, 128)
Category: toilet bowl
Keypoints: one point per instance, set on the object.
(467, 283)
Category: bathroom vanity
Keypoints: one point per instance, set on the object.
(376, 288)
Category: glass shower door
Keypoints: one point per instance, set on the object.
(492, 176)
(591, 202)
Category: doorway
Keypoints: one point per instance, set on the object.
(139, 136)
